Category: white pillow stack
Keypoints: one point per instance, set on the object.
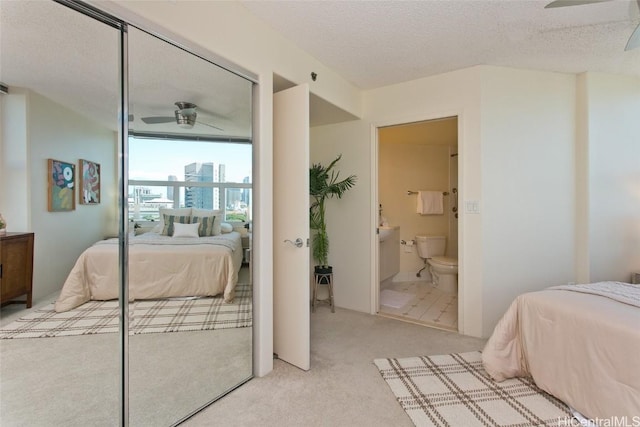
(219, 227)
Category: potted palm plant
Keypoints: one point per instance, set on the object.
(324, 184)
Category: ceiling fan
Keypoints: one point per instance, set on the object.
(634, 40)
(185, 117)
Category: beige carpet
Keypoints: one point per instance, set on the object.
(454, 390)
(74, 381)
(154, 316)
(343, 386)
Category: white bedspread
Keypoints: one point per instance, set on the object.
(577, 344)
(159, 267)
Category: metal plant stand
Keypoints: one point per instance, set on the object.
(323, 279)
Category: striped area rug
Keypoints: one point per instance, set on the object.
(152, 316)
(454, 390)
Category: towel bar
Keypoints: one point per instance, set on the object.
(409, 193)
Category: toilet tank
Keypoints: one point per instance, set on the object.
(430, 246)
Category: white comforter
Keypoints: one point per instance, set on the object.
(159, 267)
(580, 343)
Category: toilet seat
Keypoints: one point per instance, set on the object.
(443, 260)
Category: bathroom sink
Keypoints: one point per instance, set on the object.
(385, 231)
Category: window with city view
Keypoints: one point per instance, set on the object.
(185, 173)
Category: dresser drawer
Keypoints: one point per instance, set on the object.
(16, 267)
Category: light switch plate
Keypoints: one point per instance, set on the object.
(472, 206)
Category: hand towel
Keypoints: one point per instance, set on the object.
(430, 203)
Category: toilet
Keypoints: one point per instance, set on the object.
(444, 270)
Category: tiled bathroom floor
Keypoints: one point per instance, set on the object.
(427, 305)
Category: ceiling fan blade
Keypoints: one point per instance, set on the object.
(634, 40)
(156, 120)
(564, 3)
(211, 126)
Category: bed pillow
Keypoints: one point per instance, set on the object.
(170, 211)
(185, 230)
(170, 220)
(225, 227)
(206, 225)
(206, 212)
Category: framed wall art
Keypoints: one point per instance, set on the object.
(61, 194)
(89, 182)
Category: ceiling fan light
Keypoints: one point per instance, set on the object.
(182, 105)
(185, 121)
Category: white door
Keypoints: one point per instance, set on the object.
(291, 323)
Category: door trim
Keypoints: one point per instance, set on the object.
(374, 252)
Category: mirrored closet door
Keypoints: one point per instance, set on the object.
(160, 216)
(59, 365)
(190, 174)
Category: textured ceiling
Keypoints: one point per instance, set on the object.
(377, 43)
(54, 51)
(74, 60)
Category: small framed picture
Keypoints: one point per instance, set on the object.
(89, 182)
(61, 194)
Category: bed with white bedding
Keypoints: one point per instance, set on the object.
(580, 343)
(159, 267)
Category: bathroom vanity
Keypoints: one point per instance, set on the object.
(389, 259)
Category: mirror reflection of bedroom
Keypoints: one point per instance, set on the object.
(182, 223)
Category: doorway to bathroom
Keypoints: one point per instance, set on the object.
(417, 200)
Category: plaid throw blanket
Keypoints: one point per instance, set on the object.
(152, 316)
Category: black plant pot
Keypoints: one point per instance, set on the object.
(323, 274)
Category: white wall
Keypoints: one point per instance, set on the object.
(348, 219)
(60, 237)
(528, 187)
(613, 108)
(14, 173)
(516, 142)
(581, 243)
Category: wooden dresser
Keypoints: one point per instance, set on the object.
(16, 267)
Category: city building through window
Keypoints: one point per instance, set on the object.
(185, 173)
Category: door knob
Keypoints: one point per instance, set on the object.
(298, 243)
